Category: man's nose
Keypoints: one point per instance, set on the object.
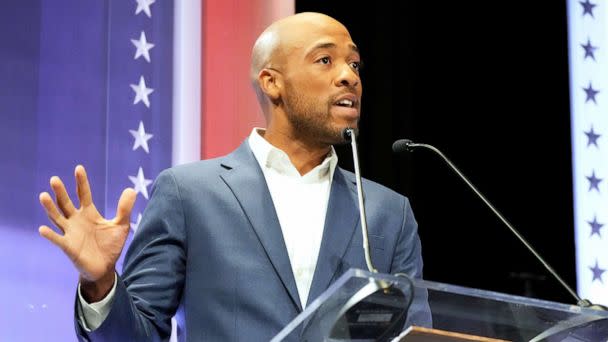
(347, 76)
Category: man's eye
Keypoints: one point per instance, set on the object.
(324, 60)
(356, 65)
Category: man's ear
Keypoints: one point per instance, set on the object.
(271, 83)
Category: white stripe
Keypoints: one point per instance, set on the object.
(590, 159)
(186, 132)
(186, 82)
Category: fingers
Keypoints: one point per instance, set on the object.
(50, 235)
(82, 186)
(61, 196)
(51, 211)
(125, 204)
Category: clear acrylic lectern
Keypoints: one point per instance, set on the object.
(364, 306)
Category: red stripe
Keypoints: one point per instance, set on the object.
(229, 107)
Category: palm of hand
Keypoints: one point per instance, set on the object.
(92, 242)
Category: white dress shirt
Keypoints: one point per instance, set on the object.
(300, 202)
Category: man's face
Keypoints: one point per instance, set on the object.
(323, 89)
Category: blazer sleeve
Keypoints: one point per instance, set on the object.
(149, 291)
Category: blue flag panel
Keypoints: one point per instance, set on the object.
(82, 82)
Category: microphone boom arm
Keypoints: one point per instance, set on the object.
(410, 146)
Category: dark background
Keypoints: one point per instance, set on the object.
(486, 83)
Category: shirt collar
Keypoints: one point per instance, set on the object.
(270, 157)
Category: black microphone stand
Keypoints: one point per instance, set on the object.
(409, 146)
(349, 134)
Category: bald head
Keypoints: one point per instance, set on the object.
(280, 35)
(273, 46)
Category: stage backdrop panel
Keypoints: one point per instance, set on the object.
(82, 83)
(588, 43)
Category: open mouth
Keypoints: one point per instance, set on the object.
(346, 108)
(345, 103)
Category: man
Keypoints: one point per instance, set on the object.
(237, 246)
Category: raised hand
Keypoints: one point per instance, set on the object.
(92, 242)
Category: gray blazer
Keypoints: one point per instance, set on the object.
(210, 249)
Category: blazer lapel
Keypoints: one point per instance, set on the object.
(340, 223)
(246, 181)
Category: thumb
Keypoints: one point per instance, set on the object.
(125, 205)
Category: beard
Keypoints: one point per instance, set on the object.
(311, 119)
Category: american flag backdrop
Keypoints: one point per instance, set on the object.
(82, 83)
(588, 47)
(119, 87)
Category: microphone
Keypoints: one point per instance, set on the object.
(406, 145)
(348, 134)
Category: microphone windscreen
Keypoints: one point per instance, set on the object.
(401, 145)
(346, 134)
